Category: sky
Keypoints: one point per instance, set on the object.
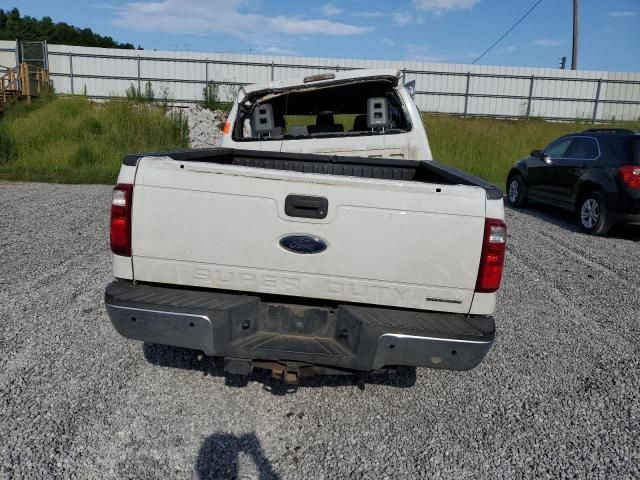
(444, 31)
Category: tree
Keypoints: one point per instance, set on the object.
(14, 26)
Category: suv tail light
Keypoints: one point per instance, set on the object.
(630, 175)
(120, 228)
(492, 259)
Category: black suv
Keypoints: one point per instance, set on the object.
(595, 174)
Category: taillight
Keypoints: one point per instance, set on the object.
(120, 228)
(227, 128)
(630, 175)
(492, 259)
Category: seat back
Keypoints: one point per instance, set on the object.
(325, 123)
(360, 123)
(299, 131)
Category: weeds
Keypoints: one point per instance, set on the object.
(488, 147)
(165, 99)
(137, 95)
(215, 96)
(179, 127)
(211, 96)
(72, 140)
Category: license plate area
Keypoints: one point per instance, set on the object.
(298, 320)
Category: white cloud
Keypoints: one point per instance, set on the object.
(203, 17)
(330, 10)
(421, 53)
(546, 42)
(401, 19)
(372, 14)
(300, 26)
(442, 6)
(277, 51)
(506, 50)
(626, 13)
(388, 41)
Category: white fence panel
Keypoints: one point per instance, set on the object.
(446, 88)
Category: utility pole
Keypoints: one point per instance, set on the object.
(574, 55)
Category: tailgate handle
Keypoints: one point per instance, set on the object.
(306, 206)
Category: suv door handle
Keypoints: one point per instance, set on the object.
(306, 206)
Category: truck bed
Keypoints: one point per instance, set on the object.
(363, 167)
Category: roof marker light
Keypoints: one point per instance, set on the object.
(318, 77)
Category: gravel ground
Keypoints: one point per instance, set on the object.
(557, 397)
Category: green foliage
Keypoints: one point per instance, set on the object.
(84, 155)
(141, 96)
(134, 94)
(72, 140)
(13, 25)
(179, 126)
(165, 99)
(488, 148)
(211, 96)
(149, 94)
(7, 147)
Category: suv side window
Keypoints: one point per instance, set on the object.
(558, 148)
(583, 148)
(622, 148)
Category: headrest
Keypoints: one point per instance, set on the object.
(325, 119)
(262, 119)
(377, 112)
(360, 123)
(279, 121)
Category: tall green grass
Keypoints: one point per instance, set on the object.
(72, 140)
(488, 148)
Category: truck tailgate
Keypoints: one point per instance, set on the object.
(389, 242)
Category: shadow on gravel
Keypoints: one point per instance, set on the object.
(219, 455)
(185, 359)
(567, 220)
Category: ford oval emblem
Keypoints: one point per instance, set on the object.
(303, 243)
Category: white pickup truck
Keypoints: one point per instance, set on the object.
(365, 257)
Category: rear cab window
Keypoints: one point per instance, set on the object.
(345, 110)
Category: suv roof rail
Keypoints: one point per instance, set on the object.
(608, 130)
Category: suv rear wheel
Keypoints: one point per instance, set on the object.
(516, 191)
(593, 214)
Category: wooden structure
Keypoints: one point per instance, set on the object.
(22, 82)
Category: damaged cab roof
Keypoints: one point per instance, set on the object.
(336, 78)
